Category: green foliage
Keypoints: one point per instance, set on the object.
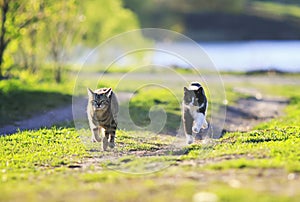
(15, 17)
(277, 9)
(41, 32)
(104, 19)
(182, 16)
(172, 13)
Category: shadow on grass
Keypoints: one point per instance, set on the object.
(140, 116)
(21, 104)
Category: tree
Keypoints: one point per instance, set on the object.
(104, 19)
(15, 16)
(28, 48)
(3, 40)
(90, 23)
(62, 31)
(29, 42)
(33, 31)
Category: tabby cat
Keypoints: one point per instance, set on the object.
(194, 110)
(102, 111)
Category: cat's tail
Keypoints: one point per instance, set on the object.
(195, 85)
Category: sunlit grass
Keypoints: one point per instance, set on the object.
(34, 150)
(272, 145)
(38, 165)
(277, 9)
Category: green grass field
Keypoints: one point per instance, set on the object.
(60, 164)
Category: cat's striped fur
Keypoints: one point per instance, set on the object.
(102, 111)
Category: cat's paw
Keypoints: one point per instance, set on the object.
(111, 145)
(195, 129)
(105, 143)
(93, 139)
(205, 125)
(96, 138)
(189, 139)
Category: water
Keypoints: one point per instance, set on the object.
(243, 56)
(227, 56)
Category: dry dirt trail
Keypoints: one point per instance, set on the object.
(244, 115)
(53, 117)
(249, 112)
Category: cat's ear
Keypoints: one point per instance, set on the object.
(185, 89)
(90, 92)
(108, 92)
(200, 90)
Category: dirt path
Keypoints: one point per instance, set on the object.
(48, 119)
(58, 116)
(244, 115)
(249, 112)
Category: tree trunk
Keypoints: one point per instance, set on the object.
(1, 61)
(3, 42)
(24, 60)
(57, 64)
(33, 65)
(58, 73)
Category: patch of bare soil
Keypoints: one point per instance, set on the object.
(249, 112)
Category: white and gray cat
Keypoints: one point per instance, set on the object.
(102, 111)
(194, 108)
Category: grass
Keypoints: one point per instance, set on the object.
(159, 101)
(271, 145)
(47, 157)
(277, 9)
(60, 164)
(276, 148)
(22, 99)
(33, 150)
(94, 184)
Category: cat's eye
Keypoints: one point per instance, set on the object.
(189, 99)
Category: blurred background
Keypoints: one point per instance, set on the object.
(228, 20)
(239, 35)
(43, 43)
